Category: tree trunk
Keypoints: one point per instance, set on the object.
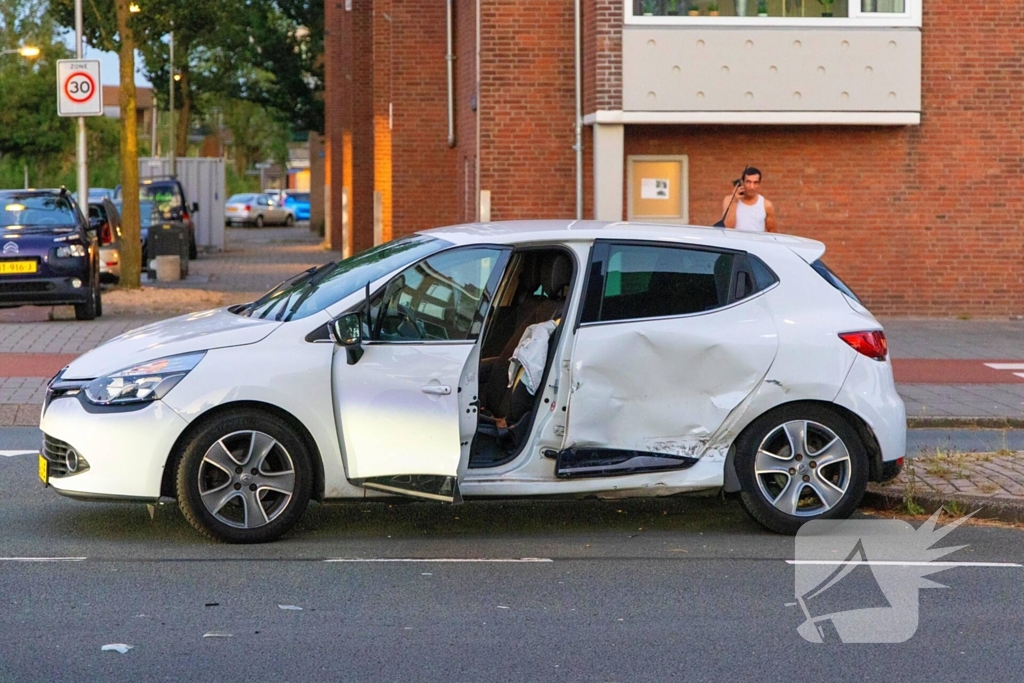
(131, 240)
(184, 114)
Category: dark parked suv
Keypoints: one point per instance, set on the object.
(50, 255)
(169, 197)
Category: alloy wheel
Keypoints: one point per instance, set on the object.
(802, 468)
(246, 479)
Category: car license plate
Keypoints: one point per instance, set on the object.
(232, 209)
(17, 267)
(43, 469)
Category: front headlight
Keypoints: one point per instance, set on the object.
(71, 251)
(147, 381)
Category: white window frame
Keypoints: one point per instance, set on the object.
(911, 18)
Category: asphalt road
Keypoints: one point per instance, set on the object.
(637, 590)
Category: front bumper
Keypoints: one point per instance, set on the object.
(46, 291)
(126, 450)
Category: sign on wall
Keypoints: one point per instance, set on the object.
(79, 92)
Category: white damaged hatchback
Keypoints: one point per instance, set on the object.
(535, 358)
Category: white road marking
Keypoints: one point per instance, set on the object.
(42, 559)
(1006, 366)
(519, 560)
(11, 454)
(896, 563)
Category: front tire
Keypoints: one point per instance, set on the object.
(244, 477)
(92, 307)
(800, 463)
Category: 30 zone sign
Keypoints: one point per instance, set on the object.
(78, 87)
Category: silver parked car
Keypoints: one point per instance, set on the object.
(256, 209)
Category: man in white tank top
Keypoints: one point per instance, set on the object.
(748, 209)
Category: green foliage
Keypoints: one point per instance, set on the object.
(29, 125)
(237, 183)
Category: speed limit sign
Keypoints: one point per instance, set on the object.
(79, 92)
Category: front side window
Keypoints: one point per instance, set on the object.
(442, 298)
(647, 281)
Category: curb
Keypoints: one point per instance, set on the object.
(965, 423)
(1001, 509)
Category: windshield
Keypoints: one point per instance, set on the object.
(37, 210)
(148, 214)
(318, 288)
(830, 277)
(166, 196)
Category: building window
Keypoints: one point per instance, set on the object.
(658, 189)
(775, 12)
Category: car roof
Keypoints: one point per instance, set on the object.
(520, 232)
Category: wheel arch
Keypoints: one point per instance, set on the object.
(732, 482)
(167, 481)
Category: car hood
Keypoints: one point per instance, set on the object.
(193, 332)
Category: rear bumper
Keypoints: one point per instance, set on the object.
(110, 264)
(870, 392)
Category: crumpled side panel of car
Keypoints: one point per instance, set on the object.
(667, 385)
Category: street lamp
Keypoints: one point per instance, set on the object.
(27, 51)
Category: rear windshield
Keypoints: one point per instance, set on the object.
(48, 210)
(299, 196)
(821, 269)
(166, 196)
(240, 198)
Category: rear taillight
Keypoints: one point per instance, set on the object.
(106, 234)
(871, 343)
(248, 208)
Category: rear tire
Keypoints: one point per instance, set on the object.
(259, 221)
(289, 221)
(244, 477)
(800, 463)
(193, 251)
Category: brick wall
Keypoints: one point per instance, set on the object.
(602, 55)
(919, 220)
(527, 106)
(425, 182)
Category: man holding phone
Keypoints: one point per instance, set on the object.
(747, 209)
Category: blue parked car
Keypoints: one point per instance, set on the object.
(298, 202)
(50, 254)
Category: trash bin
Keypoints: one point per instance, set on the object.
(167, 239)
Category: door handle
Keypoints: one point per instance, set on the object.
(439, 389)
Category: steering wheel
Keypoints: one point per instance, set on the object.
(410, 315)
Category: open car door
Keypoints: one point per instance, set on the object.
(406, 393)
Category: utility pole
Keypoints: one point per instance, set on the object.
(171, 98)
(80, 152)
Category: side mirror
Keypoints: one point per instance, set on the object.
(195, 207)
(346, 332)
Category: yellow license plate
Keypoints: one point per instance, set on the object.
(43, 469)
(232, 209)
(17, 267)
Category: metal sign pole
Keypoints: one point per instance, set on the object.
(80, 153)
(170, 71)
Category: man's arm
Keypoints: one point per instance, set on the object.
(730, 215)
(770, 224)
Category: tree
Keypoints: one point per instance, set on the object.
(30, 129)
(108, 26)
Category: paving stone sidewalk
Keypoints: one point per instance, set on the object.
(990, 484)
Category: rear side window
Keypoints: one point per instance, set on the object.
(824, 271)
(647, 281)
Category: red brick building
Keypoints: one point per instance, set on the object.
(892, 132)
